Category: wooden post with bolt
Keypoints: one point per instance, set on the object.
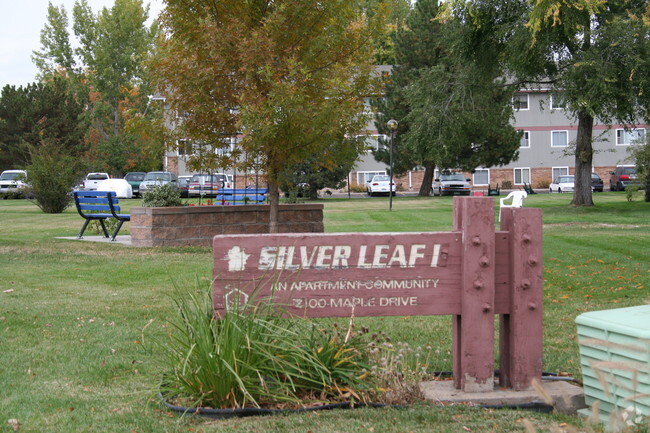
(473, 357)
(521, 328)
(472, 273)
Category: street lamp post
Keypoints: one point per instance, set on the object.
(392, 125)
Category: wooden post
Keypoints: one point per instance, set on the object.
(473, 341)
(472, 273)
(521, 329)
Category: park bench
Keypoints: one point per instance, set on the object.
(236, 196)
(99, 206)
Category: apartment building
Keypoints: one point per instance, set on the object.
(545, 151)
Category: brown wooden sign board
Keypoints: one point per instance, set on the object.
(468, 273)
(344, 274)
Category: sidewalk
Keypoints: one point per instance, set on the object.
(120, 239)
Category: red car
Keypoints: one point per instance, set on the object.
(621, 177)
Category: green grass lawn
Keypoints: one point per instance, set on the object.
(77, 319)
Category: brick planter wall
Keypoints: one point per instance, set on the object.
(197, 225)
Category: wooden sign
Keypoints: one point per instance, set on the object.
(338, 275)
(471, 273)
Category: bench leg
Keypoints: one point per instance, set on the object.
(83, 229)
(117, 229)
(101, 221)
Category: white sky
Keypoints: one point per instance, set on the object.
(20, 34)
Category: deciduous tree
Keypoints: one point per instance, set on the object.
(287, 77)
(641, 157)
(594, 54)
(109, 64)
(56, 52)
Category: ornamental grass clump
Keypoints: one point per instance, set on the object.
(251, 356)
(223, 362)
(332, 366)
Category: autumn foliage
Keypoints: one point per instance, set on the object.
(288, 78)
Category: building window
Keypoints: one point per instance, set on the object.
(520, 101)
(522, 175)
(481, 176)
(184, 147)
(625, 137)
(227, 147)
(363, 177)
(557, 102)
(559, 138)
(525, 139)
(559, 171)
(376, 141)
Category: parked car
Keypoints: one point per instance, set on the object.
(208, 184)
(564, 183)
(596, 183)
(380, 184)
(184, 185)
(451, 184)
(157, 178)
(621, 177)
(13, 180)
(92, 180)
(134, 179)
(120, 187)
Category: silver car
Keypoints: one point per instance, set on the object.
(157, 178)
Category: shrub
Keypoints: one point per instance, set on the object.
(507, 184)
(220, 362)
(164, 195)
(18, 194)
(358, 188)
(51, 178)
(630, 192)
(253, 356)
(641, 155)
(543, 184)
(294, 196)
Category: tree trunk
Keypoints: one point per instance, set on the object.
(274, 209)
(312, 192)
(116, 118)
(427, 180)
(582, 195)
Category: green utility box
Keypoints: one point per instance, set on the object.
(615, 360)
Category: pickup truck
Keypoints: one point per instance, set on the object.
(92, 180)
(13, 181)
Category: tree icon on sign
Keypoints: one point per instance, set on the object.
(237, 259)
